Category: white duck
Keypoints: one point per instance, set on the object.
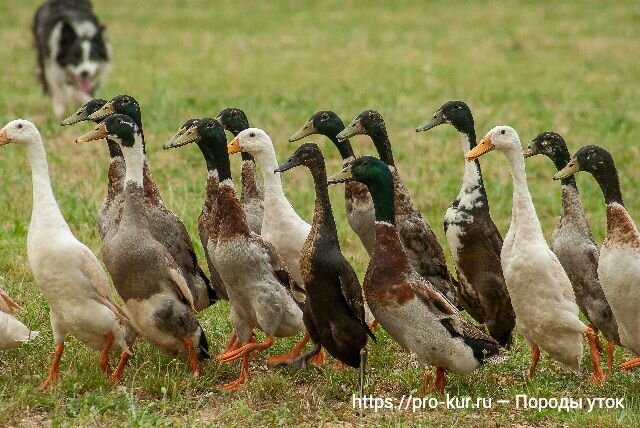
(619, 264)
(541, 293)
(12, 332)
(281, 225)
(68, 273)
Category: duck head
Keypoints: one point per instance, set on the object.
(456, 113)
(599, 163)
(503, 138)
(118, 127)
(308, 154)
(84, 112)
(251, 140)
(376, 175)
(369, 122)
(233, 119)
(120, 104)
(181, 130)
(21, 132)
(549, 144)
(593, 159)
(324, 122)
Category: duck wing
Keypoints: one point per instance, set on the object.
(93, 271)
(352, 293)
(281, 272)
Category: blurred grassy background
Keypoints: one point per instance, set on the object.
(569, 67)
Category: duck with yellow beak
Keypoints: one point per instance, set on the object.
(540, 291)
(147, 278)
(619, 264)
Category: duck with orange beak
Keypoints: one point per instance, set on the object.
(540, 291)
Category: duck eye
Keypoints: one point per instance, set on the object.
(325, 116)
(210, 125)
(19, 126)
(253, 134)
(503, 132)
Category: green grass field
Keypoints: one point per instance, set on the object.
(570, 67)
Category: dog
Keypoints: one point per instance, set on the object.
(73, 52)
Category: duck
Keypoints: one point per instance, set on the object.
(573, 244)
(149, 281)
(358, 203)
(409, 307)
(67, 272)
(166, 227)
(473, 236)
(619, 262)
(281, 225)
(334, 311)
(259, 286)
(541, 293)
(206, 225)
(418, 240)
(235, 121)
(13, 333)
(108, 214)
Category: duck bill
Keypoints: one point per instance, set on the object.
(306, 130)
(97, 133)
(572, 167)
(528, 152)
(105, 111)
(437, 119)
(79, 116)
(354, 128)
(342, 176)
(234, 146)
(4, 138)
(484, 147)
(182, 138)
(289, 164)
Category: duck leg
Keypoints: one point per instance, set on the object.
(54, 371)
(242, 379)
(117, 375)
(104, 356)
(594, 355)
(246, 349)
(374, 325)
(193, 359)
(279, 359)
(535, 357)
(441, 379)
(427, 387)
(598, 343)
(232, 344)
(611, 347)
(631, 364)
(319, 358)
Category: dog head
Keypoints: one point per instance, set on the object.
(82, 51)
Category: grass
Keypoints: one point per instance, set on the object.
(570, 67)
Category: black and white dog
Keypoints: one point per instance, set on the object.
(73, 52)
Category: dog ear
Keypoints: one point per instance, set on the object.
(67, 34)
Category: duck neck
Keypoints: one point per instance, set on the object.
(472, 178)
(609, 183)
(383, 202)
(322, 213)
(344, 147)
(209, 156)
(134, 163)
(272, 181)
(114, 149)
(44, 202)
(523, 210)
(231, 220)
(383, 145)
